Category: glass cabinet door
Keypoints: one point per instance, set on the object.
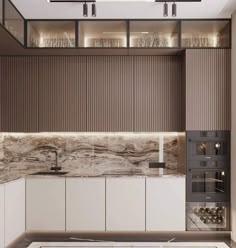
(51, 34)
(205, 33)
(151, 34)
(103, 34)
(13, 21)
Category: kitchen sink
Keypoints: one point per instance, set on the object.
(50, 173)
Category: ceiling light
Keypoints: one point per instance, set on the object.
(165, 10)
(174, 9)
(85, 9)
(94, 12)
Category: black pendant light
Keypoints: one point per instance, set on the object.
(165, 10)
(85, 9)
(94, 11)
(174, 9)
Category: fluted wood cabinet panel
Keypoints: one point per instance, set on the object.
(158, 93)
(19, 94)
(62, 93)
(110, 93)
(208, 83)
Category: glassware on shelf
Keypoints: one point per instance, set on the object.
(104, 42)
(201, 40)
(51, 34)
(154, 40)
(51, 40)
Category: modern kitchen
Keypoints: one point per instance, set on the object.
(117, 123)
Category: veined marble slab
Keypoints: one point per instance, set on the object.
(129, 244)
(85, 152)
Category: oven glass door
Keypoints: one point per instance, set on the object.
(208, 181)
(208, 185)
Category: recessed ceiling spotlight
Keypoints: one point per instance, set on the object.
(165, 10)
(94, 11)
(174, 9)
(85, 10)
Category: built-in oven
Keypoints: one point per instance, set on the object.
(211, 185)
(208, 216)
(208, 145)
(208, 180)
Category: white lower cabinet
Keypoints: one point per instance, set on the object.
(14, 210)
(95, 204)
(45, 204)
(85, 204)
(165, 204)
(125, 204)
(2, 218)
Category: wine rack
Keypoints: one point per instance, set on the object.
(210, 215)
(207, 216)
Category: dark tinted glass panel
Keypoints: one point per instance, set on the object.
(14, 22)
(205, 33)
(51, 34)
(108, 34)
(154, 34)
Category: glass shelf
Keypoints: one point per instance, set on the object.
(54, 34)
(205, 33)
(103, 34)
(152, 34)
(13, 22)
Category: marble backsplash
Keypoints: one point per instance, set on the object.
(101, 152)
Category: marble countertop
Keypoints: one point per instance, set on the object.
(86, 174)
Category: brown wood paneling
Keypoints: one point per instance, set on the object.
(62, 93)
(110, 93)
(158, 93)
(208, 87)
(19, 94)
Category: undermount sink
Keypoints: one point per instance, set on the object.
(50, 173)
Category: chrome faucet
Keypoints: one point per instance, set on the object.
(56, 167)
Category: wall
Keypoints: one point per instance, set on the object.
(90, 152)
(233, 131)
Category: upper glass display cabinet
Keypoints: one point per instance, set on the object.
(103, 34)
(119, 33)
(13, 21)
(54, 34)
(205, 33)
(154, 34)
